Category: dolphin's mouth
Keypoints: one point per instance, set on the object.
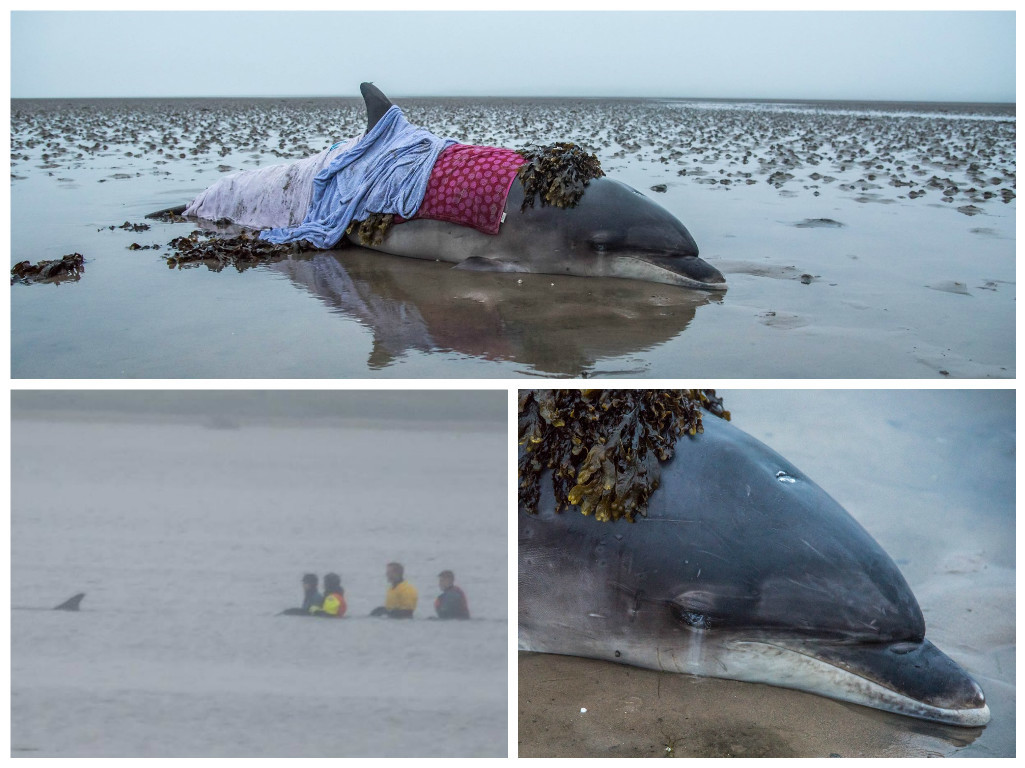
(687, 272)
(910, 678)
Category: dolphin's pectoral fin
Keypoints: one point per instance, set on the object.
(481, 264)
(71, 604)
(376, 102)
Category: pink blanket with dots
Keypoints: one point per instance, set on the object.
(469, 186)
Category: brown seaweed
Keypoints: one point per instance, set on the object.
(67, 268)
(605, 447)
(557, 173)
(372, 229)
(216, 253)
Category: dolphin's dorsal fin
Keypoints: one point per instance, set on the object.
(377, 103)
(71, 604)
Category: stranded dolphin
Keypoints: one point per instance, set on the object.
(612, 231)
(743, 569)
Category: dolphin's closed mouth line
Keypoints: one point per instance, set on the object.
(873, 691)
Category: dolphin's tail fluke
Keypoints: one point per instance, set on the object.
(71, 604)
(377, 103)
(167, 212)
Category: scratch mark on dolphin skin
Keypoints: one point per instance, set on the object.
(712, 554)
(808, 586)
(809, 546)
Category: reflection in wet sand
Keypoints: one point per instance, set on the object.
(553, 325)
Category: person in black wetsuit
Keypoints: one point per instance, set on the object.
(311, 597)
(451, 603)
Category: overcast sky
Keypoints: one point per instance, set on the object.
(926, 56)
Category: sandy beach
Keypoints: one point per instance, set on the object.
(931, 476)
(857, 239)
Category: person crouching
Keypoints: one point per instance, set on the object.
(334, 598)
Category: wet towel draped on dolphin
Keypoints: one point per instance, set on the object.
(385, 171)
(396, 168)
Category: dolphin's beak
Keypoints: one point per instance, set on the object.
(699, 269)
(911, 678)
(686, 271)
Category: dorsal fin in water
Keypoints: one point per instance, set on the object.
(376, 102)
(71, 604)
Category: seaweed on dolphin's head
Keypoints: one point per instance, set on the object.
(604, 446)
(372, 229)
(558, 173)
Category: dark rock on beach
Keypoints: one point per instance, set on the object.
(813, 223)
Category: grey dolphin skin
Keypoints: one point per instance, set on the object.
(613, 231)
(743, 569)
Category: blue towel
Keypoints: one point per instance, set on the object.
(386, 172)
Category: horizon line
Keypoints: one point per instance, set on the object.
(634, 97)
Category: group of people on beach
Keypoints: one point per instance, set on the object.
(399, 601)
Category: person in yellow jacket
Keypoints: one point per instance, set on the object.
(400, 601)
(334, 598)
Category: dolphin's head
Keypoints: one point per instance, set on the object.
(616, 231)
(744, 568)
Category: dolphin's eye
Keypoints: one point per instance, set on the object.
(603, 240)
(691, 618)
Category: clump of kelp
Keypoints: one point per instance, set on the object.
(66, 268)
(604, 446)
(557, 173)
(372, 229)
(217, 252)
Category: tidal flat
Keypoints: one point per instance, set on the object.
(857, 240)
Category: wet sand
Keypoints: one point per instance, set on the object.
(857, 240)
(931, 476)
